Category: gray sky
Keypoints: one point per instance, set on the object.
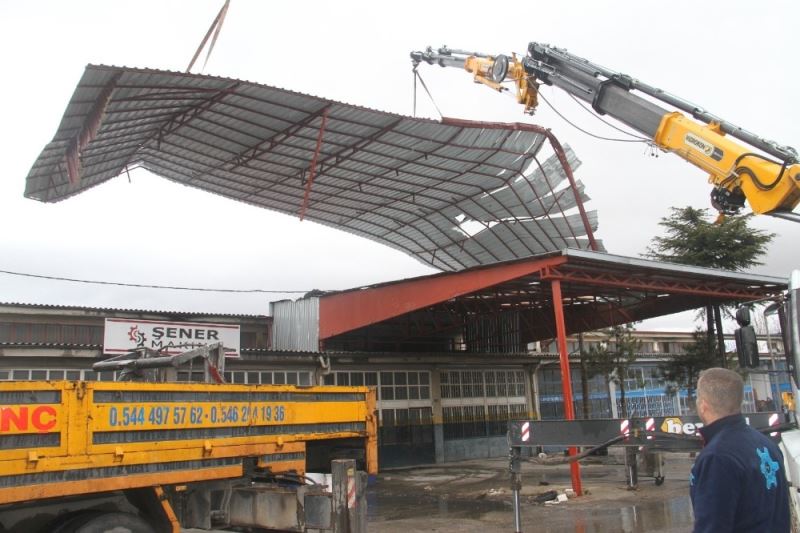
(733, 58)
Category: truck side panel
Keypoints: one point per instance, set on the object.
(66, 438)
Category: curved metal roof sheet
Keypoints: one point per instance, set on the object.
(454, 194)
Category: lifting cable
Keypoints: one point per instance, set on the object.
(217, 23)
(422, 82)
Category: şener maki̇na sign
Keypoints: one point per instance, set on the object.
(124, 335)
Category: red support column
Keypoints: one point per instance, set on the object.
(566, 381)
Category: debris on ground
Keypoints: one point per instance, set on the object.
(545, 496)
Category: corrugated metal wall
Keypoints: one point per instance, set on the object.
(295, 324)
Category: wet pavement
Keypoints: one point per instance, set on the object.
(474, 496)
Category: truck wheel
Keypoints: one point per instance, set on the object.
(99, 522)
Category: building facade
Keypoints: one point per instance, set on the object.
(433, 407)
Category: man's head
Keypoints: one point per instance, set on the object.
(719, 393)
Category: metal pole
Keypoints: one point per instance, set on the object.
(720, 337)
(566, 381)
(515, 467)
(343, 481)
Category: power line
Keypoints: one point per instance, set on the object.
(147, 286)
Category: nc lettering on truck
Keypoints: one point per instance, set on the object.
(28, 419)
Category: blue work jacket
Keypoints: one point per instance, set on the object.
(737, 483)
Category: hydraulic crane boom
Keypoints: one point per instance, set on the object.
(769, 178)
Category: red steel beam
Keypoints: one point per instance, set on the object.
(566, 381)
(350, 310)
(313, 168)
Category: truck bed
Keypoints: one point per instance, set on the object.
(66, 438)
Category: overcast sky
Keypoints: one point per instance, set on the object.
(735, 58)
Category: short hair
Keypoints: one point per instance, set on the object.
(722, 389)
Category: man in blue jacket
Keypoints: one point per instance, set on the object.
(737, 483)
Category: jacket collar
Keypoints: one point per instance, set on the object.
(710, 431)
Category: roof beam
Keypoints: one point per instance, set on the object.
(346, 311)
(694, 287)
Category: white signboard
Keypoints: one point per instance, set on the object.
(124, 335)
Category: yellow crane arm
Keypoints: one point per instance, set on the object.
(760, 171)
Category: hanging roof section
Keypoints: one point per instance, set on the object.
(454, 194)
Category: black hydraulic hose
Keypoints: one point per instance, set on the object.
(758, 183)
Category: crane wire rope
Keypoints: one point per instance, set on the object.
(595, 115)
(607, 123)
(417, 76)
(602, 138)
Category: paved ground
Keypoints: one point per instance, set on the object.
(475, 497)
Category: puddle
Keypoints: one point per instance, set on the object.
(673, 515)
(394, 507)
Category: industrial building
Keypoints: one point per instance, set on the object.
(453, 356)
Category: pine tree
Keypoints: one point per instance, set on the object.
(692, 239)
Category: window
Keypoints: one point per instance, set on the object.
(50, 333)
(194, 377)
(276, 377)
(477, 403)
(405, 385)
(464, 421)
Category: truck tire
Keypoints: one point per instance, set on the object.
(99, 522)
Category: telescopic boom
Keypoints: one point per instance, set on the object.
(758, 170)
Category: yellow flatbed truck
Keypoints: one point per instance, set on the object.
(85, 457)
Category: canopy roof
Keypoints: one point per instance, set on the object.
(502, 307)
(453, 194)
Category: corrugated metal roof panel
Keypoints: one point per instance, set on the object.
(412, 184)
